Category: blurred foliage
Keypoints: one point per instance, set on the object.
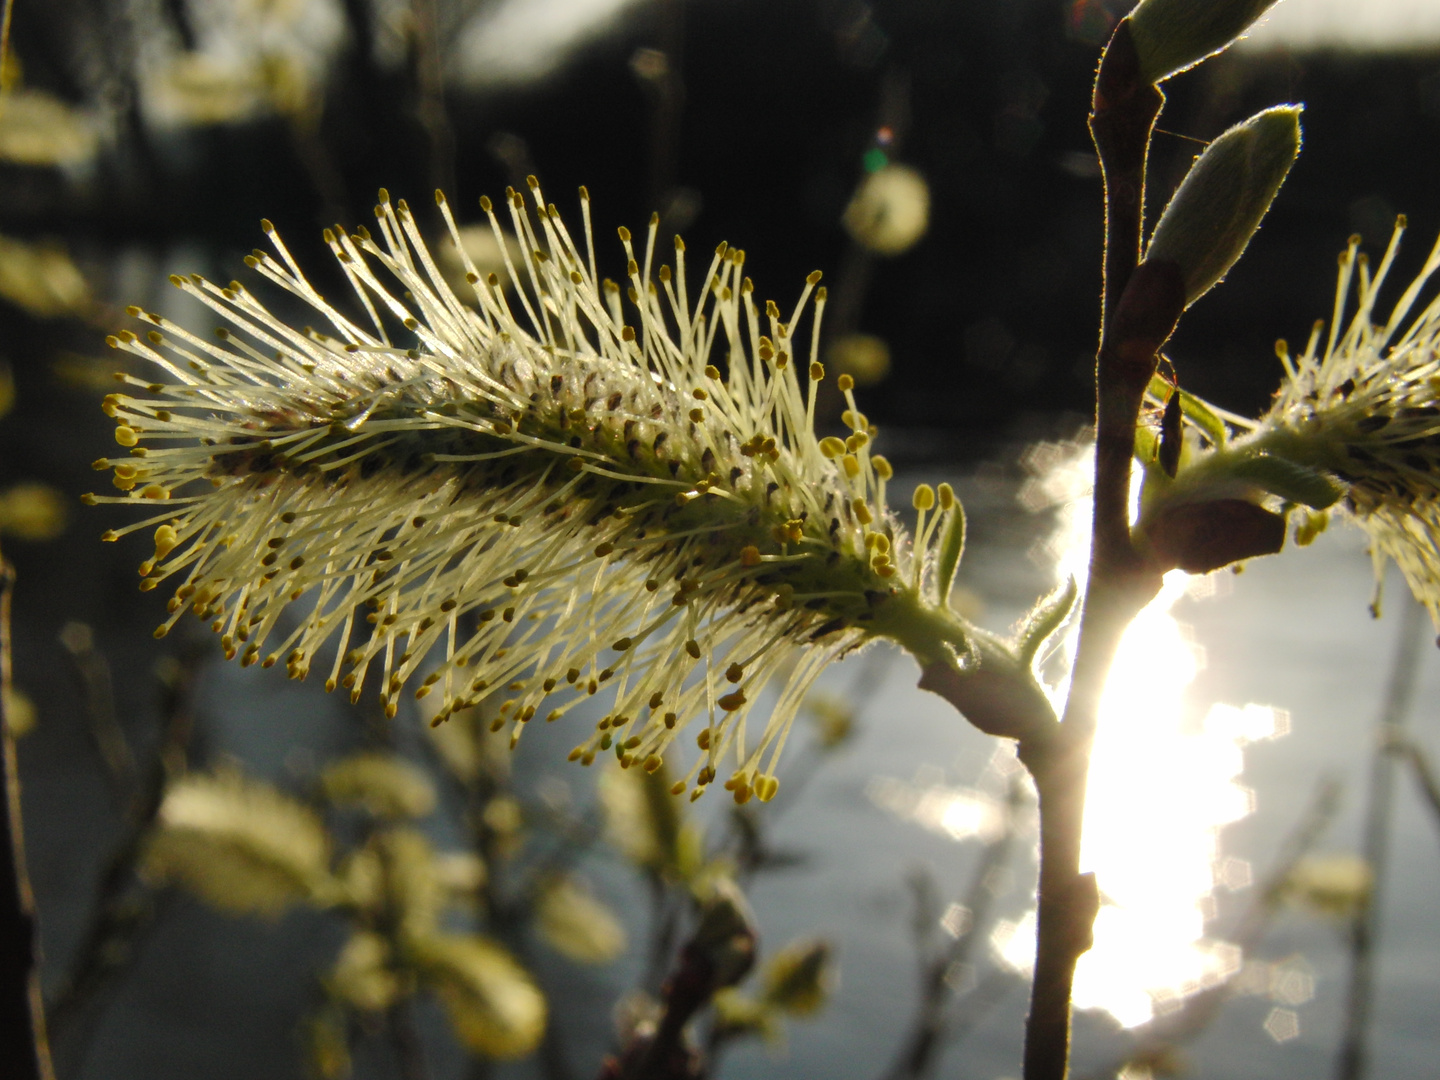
(1336, 885)
(383, 785)
(20, 712)
(241, 846)
(32, 510)
(574, 923)
(42, 278)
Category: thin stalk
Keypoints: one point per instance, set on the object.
(1138, 312)
(1365, 926)
(935, 1021)
(1424, 776)
(24, 1049)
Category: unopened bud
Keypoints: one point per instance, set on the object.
(1218, 207)
(1172, 35)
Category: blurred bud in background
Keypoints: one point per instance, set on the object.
(890, 211)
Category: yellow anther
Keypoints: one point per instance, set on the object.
(924, 497)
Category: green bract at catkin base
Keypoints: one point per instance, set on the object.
(557, 499)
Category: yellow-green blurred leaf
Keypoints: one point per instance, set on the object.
(199, 88)
(834, 718)
(363, 976)
(460, 873)
(642, 819)
(362, 879)
(412, 883)
(578, 925)
(385, 785)
(800, 977)
(327, 1045)
(465, 742)
(493, 1004)
(7, 388)
(32, 511)
(241, 845)
(864, 357)
(41, 278)
(20, 712)
(37, 128)
(1334, 885)
(739, 1014)
(503, 815)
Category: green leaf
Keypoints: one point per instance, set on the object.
(1219, 205)
(1172, 35)
(1194, 409)
(1296, 483)
(1044, 620)
(952, 549)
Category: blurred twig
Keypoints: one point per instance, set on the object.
(24, 1049)
(105, 730)
(1423, 773)
(1365, 924)
(936, 1022)
(123, 905)
(430, 94)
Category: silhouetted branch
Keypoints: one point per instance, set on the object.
(24, 1049)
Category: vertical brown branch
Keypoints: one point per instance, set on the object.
(1139, 310)
(24, 1050)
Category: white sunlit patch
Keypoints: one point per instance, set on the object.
(1374, 24)
(1159, 792)
(527, 39)
(957, 812)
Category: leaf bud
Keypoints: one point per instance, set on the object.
(1219, 205)
(1172, 35)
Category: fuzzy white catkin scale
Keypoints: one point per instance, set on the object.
(553, 500)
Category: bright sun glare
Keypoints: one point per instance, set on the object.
(1161, 788)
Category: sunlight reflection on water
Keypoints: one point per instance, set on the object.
(1160, 791)
(1162, 785)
